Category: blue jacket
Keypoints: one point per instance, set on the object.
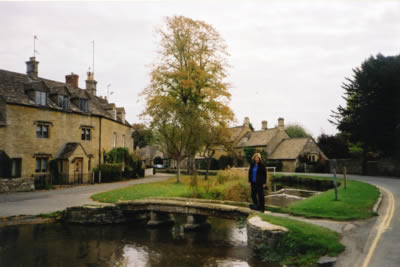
(261, 177)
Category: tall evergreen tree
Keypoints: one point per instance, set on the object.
(372, 111)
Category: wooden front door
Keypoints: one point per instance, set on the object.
(78, 170)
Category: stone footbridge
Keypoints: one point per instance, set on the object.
(159, 211)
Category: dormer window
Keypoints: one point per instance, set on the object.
(84, 105)
(41, 98)
(63, 101)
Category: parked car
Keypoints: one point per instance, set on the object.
(158, 166)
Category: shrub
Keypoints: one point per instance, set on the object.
(224, 162)
(238, 192)
(110, 172)
(249, 152)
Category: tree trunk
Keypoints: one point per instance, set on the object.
(194, 167)
(178, 177)
(208, 167)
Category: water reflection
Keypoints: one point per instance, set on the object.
(224, 244)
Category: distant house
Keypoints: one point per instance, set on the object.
(276, 143)
(289, 152)
(266, 139)
(149, 153)
(46, 123)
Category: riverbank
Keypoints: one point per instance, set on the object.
(356, 201)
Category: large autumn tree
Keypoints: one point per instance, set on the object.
(187, 91)
(371, 115)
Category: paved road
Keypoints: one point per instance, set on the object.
(359, 240)
(34, 203)
(387, 252)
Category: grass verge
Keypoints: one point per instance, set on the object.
(354, 202)
(227, 185)
(303, 245)
(168, 188)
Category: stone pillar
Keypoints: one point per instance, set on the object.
(160, 219)
(196, 222)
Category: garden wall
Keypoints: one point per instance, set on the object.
(353, 166)
(382, 167)
(16, 185)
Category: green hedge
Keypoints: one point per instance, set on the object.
(110, 172)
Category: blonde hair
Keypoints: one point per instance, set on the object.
(256, 155)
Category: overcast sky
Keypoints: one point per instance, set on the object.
(288, 58)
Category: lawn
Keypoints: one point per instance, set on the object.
(304, 244)
(227, 185)
(354, 202)
(168, 188)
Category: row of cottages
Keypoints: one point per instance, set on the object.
(277, 144)
(45, 122)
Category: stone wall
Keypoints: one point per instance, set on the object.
(382, 167)
(94, 215)
(353, 166)
(16, 185)
(260, 232)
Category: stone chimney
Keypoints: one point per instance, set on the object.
(281, 124)
(264, 125)
(246, 122)
(72, 79)
(121, 113)
(91, 83)
(32, 67)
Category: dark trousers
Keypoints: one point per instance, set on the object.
(257, 195)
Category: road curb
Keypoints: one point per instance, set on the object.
(378, 202)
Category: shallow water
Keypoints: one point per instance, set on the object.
(224, 244)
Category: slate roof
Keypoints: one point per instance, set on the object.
(290, 148)
(14, 88)
(258, 138)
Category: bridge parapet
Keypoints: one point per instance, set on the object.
(185, 208)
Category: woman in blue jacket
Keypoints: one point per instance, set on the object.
(257, 180)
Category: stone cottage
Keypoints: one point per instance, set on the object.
(277, 144)
(45, 122)
(290, 151)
